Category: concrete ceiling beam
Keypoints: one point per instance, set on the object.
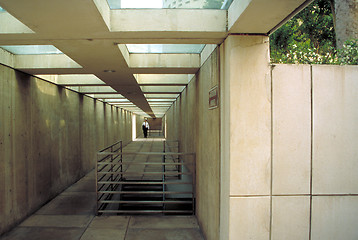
(163, 60)
(168, 21)
(163, 78)
(93, 89)
(107, 96)
(163, 89)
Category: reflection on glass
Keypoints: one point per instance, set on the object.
(31, 49)
(189, 4)
(2, 10)
(165, 48)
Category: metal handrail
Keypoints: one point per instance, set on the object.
(110, 177)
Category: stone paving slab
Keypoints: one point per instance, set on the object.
(79, 221)
(103, 234)
(40, 233)
(116, 222)
(164, 234)
(163, 222)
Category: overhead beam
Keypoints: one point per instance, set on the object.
(169, 23)
(164, 63)
(163, 89)
(90, 90)
(153, 60)
(105, 96)
(176, 79)
(163, 95)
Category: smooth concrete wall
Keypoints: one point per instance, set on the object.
(334, 152)
(291, 151)
(155, 124)
(197, 128)
(245, 138)
(315, 154)
(139, 122)
(287, 158)
(48, 139)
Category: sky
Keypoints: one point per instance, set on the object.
(141, 3)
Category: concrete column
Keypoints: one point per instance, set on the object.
(245, 138)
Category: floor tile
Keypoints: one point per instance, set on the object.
(164, 234)
(25, 233)
(71, 204)
(103, 234)
(57, 221)
(162, 222)
(116, 222)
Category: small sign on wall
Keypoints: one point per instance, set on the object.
(213, 97)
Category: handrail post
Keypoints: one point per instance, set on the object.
(111, 169)
(163, 178)
(97, 185)
(121, 160)
(194, 182)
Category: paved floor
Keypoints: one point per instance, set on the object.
(70, 216)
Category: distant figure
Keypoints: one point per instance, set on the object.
(145, 127)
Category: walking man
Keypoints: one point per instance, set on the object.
(145, 127)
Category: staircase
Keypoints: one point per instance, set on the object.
(128, 184)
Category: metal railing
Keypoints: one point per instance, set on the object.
(159, 182)
(155, 132)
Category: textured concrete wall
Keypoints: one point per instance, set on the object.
(139, 122)
(314, 152)
(173, 120)
(287, 157)
(48, 139)
(155, 124)
(245, 138)
(334, 152)
(197, 128)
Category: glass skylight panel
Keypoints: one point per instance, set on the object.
(2, 10)
(188, 4)
(31, 49)
(165, 48)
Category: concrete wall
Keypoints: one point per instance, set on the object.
(139, 122)
(155, 124)
(197, 128)
(281, 149)
(245, 138)
(48, 139)
(314, 152)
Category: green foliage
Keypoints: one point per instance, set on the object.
(214, 4)
(307, 38)
(348, 55)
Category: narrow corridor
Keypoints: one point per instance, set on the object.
(71, 215)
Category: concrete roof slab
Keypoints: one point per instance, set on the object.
(259, 16)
